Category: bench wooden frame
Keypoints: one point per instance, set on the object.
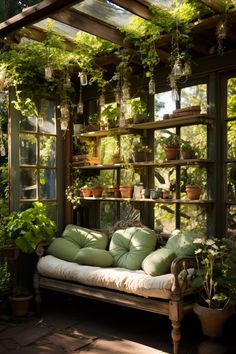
(175, 307)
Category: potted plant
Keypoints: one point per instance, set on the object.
(94, 122)
(25, 230)
(140, 150)
(110, 114)
(194, 184)
(216, 282)
(127, 181)
(138, 111)
(187, 150)
(97, 185)
(171, 146)
(86, 188)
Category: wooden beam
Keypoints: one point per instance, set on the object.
(34, 14)
(89, 24)
(38, 34)
(135, 7)
(215, 5)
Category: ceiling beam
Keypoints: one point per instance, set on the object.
(135, 7)
(34, 14)
(89, 24)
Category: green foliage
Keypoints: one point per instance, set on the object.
(26, 229)
(172, 140)
(215, 275)
(110, 114)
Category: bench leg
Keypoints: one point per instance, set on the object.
(38, 298)
(176, 335)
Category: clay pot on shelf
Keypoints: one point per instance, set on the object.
(97, 191)
(126, 191)
(86, 192)
(193, 192)
(172, 153)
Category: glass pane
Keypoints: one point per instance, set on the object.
(47, 119)
(231, 220)
(47, 188)
(165, 179)
(47, 151)
(195, 96)
(129, 212)
(60, 28)
(164, 105)
(164, 218)
(193, 217)
(28, 183)
(108, 148)
(231, 98)
(196, 135)
(28, 124)
(231, 182)
(105, 11)
(108, 214)
(28, 149)
(163, 3)
(231, 139)
(51, 209)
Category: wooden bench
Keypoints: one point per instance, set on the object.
(180, 302)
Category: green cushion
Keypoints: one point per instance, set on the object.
(129, 247)
(63, 249)
(158, 262)
(181, 242)
(85, 237)
(94, 257)
(70, 247)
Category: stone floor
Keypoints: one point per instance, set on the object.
(72, 325)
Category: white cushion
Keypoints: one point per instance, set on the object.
(129, 281)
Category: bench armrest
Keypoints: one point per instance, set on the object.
(41, 248)
(179, 269)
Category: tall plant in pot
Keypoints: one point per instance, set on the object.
(216, 280)
(24, 230)
(171, 145)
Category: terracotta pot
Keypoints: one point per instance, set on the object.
(188, 154)
(193, 192)
(97, 191)
(20, 305)
(113, 191)
(212, 320)
(172, 153)
(116, 159)
(126, 191)
(86, 192)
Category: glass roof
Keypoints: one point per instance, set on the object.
(105, 11)
(162, 3)
(61, 28)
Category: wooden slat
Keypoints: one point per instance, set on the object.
(34, 14)
(89, 24)
(215, 5)
(135, 7)
(113, 297)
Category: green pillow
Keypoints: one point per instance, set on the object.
(129, 247)
(181, 243)
(158, 262)
(94, 257)
(63, 249)
(85, 237)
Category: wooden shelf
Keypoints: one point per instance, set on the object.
(160, 124)
(174, 122)
(148, 200)
(189, 162)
